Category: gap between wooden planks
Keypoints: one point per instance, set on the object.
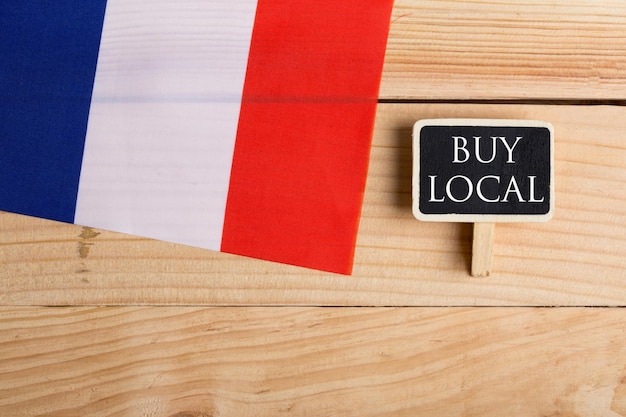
(578, 258)
(200, 362)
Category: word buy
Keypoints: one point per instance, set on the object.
(460, 188)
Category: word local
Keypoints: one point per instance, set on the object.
(462, 154)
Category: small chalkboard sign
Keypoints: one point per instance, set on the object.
(483, 171)
(470, 170)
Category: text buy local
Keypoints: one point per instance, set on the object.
(483, 168)
(462, 155)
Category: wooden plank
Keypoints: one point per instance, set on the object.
(578, 258)
(531, 49)
(312, 361)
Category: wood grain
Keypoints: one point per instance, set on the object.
(531, 49)
(482, 249)
(166, 362)
(578, 258)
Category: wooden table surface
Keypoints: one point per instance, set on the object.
(95, 323)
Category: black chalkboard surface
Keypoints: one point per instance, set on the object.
(483, 170)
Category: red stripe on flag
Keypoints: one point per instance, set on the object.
(304, 132)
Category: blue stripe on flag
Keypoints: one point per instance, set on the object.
(48, 56)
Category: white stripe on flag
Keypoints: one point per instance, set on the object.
(163, 118)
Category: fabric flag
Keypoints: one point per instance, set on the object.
(241, 126)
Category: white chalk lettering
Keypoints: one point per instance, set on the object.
(434, 199)
(532, 198)
(513, 188)
(458, 148)
(462, 154)
(479, 189)
(510, 149)
(470, 189)
(494, 142)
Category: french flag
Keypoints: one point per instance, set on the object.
(241, 126)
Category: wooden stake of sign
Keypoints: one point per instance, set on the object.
(482, 249)
(483, 171)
